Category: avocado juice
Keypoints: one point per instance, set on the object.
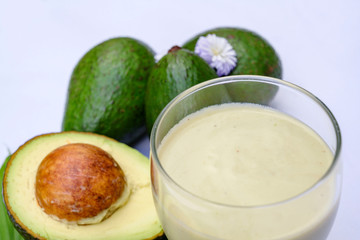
(253, 164)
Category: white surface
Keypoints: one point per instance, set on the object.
(318, 42)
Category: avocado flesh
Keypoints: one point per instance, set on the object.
(136, 220)
(175, 72)
(255, 56)
(107, 89)
(7, 229)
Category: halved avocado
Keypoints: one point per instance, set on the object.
(135, 219)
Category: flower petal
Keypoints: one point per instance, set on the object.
(217, 52)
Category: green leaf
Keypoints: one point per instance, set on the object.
(8, 231)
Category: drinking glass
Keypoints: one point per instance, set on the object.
(307, 216)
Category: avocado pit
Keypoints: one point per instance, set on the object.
(79, 182)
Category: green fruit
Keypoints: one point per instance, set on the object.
(7, 228)
(178, 70)
(135, 219)
(255, 56)
(107, 89)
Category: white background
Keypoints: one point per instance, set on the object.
(318, 42)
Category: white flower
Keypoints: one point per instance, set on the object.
(217, 52)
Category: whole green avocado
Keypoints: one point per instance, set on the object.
(175, 72)
(255, 56)
(107, 90)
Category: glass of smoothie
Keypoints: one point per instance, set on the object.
(246, 157)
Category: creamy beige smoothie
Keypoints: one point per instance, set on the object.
(248, 156)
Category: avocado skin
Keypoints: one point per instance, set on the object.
(21, 230)
(107, 89)
(255, 56)
(175, 72)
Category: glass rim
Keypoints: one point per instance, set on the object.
(244, 78)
